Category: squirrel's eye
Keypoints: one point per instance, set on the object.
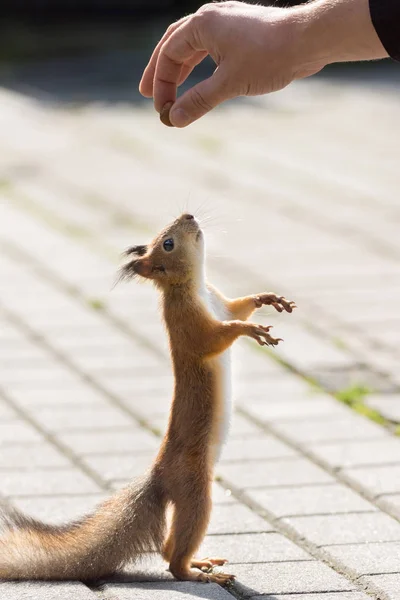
(168, 245)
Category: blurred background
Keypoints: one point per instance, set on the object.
(298, 193)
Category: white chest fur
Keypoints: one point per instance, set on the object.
(218, 310)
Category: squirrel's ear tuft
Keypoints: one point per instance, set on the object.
(139, 250)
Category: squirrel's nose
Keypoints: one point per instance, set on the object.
(187, 216)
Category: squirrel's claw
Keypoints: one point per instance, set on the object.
(278, 302)
(262, 337)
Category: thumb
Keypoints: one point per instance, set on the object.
(199, 100)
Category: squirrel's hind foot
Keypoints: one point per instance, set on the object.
(207, 563)
(220, 578)
(187, 574)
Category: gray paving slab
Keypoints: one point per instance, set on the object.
(67, 419)
(170, 590)
(378, 480)
(18, 431)
(236, 518)
(393, 501)
(311, 431)
(46, 481)
(313, 406)
(252, 548)
(124, 466)
(347, 529)
(387, 585)
(119, 440)
(362, 452)
(388, 405)
(80, 394)
(40, 590)
(24, 456)
(285, 387)
(290, 472)
(318, 596)
(311, 500)
(368, 559)
(59, 508)
(288, 578)
(260, 447)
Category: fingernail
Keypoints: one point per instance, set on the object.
(164, 114)
(179, 118)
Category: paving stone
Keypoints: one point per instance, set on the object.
(368, 559)
(306, 351)
(347, 529)
(389, 584)
(78, 395)
(287, 578)
(310, 500)
(317, 405)
(242, 428)
(129, 386)
(393, 501)
(44, 380)
(236, 518)
(122, 466)
(30, 377)
(319, 596)
(58, 508)
(129, 439)
(29, 456)
(388, 405)
(289, 472)
(6, 412)
(41, 590)
(325, 430)
(221, 495)
(168, 590)
(377, 480)
(287, 387)
(156, 403)
(117, 359)
(252, 548)
(18, 431)
(48, 481)
(362, 452)
(265, 447)
(77, 418)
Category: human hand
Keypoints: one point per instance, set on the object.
(248, 43)
(257, 50)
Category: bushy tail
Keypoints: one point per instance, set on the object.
(124, 527)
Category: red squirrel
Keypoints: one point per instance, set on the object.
(202, 324)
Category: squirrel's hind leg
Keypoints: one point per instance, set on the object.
(189, 525)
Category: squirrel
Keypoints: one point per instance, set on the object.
(201, 324)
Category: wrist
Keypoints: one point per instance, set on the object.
(332, 31)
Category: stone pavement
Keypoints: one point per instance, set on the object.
(299, 194)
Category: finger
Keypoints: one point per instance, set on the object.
(199, 100)
(188, 67)
(146, 82)
(178, 50)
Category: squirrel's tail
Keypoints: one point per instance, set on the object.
(124, 527)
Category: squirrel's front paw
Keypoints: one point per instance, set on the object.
(261, 335)
(278, 302)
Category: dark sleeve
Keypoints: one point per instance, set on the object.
(385, 16)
